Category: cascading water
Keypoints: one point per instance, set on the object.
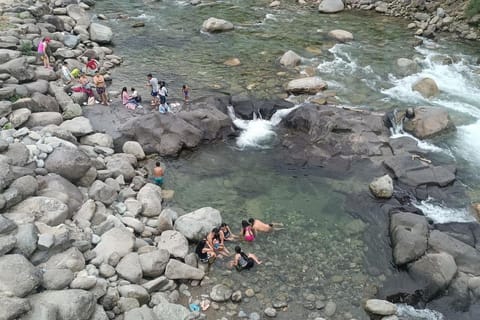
(257, 133)
(410, 313)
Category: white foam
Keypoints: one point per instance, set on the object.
(468, 144)
(427, 146)
(441, 214)
(410, 313)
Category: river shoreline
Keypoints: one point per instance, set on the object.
(99, 236)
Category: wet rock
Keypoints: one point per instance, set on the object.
(216, 25)
(429, 122)
(427, 87)
(197, 224)
(174, 242)
(406, 67)
(61, 305)
(310, 85)
(100, 33)
(436, 270)
(409, 236)
(221, 293)
(380, 307)
(290, 59)
(117, 240)
(382, 187)
(18, 275)
(176, 270)
(331, 6)
(341, 35)
(232, 62)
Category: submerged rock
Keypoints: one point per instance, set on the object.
(341, 35)
(217, 25)
(290, 59)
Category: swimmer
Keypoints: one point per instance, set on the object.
(243, 261)
(247, 231)
(260, 226)
(227, 233)
(158, 174)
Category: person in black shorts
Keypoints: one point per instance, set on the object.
(243, 261)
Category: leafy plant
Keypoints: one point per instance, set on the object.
(473, 8)
(14, 98)
(26, 48)
(7, 126)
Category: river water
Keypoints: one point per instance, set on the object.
(319, 257)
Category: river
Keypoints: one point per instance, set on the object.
(320, 256)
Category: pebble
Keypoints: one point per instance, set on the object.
(34, 135)
(254, 316)
(330, 308)
(270, 312)
(249, 292)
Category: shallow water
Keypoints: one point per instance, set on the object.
(321, 251)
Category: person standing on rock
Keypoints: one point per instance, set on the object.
(99, 82)
(186, 92)
(243, 261)
(153, 83)
(158, 174)
(42, 52)
(163, 93)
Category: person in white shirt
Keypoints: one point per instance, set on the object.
(153, 83)
(163, 93)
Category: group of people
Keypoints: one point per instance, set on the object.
(213, 245)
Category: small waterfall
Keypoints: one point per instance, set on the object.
(410, 313)
(257, 133)
(441, 214)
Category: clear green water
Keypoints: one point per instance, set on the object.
(319, 256)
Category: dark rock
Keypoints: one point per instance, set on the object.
(409, 236)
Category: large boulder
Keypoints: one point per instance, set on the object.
(216, 25)
(71, 259)
(466, 257)
(41, 119)
(309, 85)
(150, 196)
(122, 164)
(50, 211)
(100, 33)
(331, 6)
(44, 103)
(177, 270)
(174, 242)
(98, 139)
(221, 293)
(78, 14)
(427, 87)
(79, 126)
(154, 262)
(12, 307)
(415, 172)
(100, 191)
(134, 148)
(116, 240)
(144, 313)
(17, 154)
(340, 35)
(61, 305)
(380, 307)
(429, 122)
(409, 234)
(70, 163)
(18, 275)
(197, 224)
(19, 117)
(406, 67)
(382, 187)
(19, 69)
(171, 311)
(435, 271)
(56, 186)
(134, 291)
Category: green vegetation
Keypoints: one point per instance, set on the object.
(473, 8)
(26, 48)
(14, 98)
(7, 126)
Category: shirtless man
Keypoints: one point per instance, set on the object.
(158, 174)
(99, 82)
(260, 226)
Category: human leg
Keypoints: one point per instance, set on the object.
(255, 258)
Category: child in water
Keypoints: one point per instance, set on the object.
(186, 91)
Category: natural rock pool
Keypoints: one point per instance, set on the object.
(321, 256)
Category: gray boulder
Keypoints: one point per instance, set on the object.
(18, 275)
(79, 126)
(6, 225)
(44, 103)
(171, 311)
(121, 164)
(41, 119)
(429, 122)
(406, 67)
(409, 234)
(19, 69)
(197, 224)
(134, 291)
(27, 237)
(340, 35)
(174, 242)
(100, 33)
(56, 186)
(150, 196)
(177, 270)
(380, 307)
(7, 243)
(50, 211)
(435, 270)
(71, 111)
(144, 313)
(216, 25)
(12, 307)
(5, 108)
(117, 240)
(290, 59)
(97, 139)
(153, 263)
(19, 117)
(71, 164)
(61, 305)
(134, 148)
(129, 268)
(221, 293)
(331, 6)
(382, 187)
(78, 14)
(18, 155)
(100, 191)
(309, 85)
(70, 259)
(57, 279)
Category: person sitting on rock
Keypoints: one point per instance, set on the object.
(205, 253)
(260, 226)
(126, 101)
(158, 174)
(243, 261)
(215, 240)
(227, 233)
